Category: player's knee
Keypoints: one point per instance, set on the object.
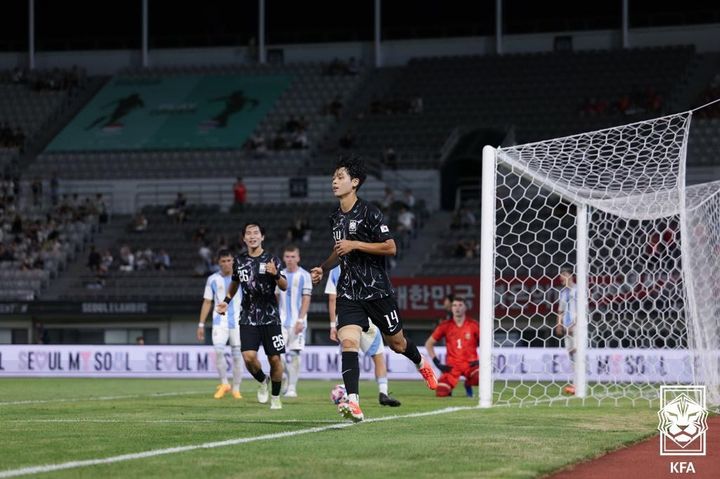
(236, 352)
(443, 390)
(397, 343)
(349, 344)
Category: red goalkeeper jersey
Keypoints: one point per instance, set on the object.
(461, 342)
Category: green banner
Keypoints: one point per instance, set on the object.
(184, 112)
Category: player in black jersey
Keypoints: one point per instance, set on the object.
(362, 241)
(258, 273)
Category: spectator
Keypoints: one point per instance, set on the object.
(408, 198)
(161, 261)
(178, 209)
(388, 199)
(127, 259)
(140, 341)
(94, 260)
(106, 262)
(406, 220)
(240, 193)
(300, 140)
(140, 223)
(299, 231)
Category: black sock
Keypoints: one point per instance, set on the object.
(259, 375)
(411, 352)
(276, 387)
(351, 371)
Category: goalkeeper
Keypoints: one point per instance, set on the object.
(462, 337)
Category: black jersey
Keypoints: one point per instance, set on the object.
(259, 304)
(362, 275)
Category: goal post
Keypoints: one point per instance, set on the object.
(612, 206)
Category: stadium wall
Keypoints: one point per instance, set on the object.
(395, 52)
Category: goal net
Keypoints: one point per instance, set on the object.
(600, 269)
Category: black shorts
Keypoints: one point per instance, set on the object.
(383, 312)
(269, 335)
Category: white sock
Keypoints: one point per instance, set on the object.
(237, 369)
(220, 365)
(382, 385)
(294, 371)
(354, 398)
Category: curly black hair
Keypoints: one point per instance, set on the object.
(354, 167)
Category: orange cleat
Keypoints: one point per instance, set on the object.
(221, 390)
(351, 410)
(569, 389)
(428, 374)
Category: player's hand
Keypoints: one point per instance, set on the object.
(333, 334)
(201, 334)
(474, 363)
(316, 274)
(442, 367)
(344, 247)
(299, 326)
(271, 269)
(221, 308)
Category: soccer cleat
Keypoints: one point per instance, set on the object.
(351, 410)
(386, 400)
(236, 395)
(570, 389)
(428, 374)
(275, 402)
(221, 391)
(290, 393)
(263, 394)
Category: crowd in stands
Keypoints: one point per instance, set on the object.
(46, 80)
(638, 102)
(292, 135)
(35, 239)
(396, 105)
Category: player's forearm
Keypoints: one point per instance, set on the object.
(232, 289)
(205, 310)
(330, 262)
(331, 309)
(281, 282)
(429, 347)
(305, 306)
(386, 248)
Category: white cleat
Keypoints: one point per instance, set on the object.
(275, 402)
(291, 393)
(263, 394)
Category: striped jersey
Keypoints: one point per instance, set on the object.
(215, 290)
(331, 285)
(568, 305)
(290, 301)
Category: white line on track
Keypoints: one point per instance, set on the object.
(211, 445)
(100, 398)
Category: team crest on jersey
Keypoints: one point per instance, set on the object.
(261, 268)
(384, 229)
(467, 336)
(353, 226)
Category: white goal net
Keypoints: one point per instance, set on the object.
(600, 268)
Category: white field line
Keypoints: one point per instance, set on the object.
(101, 398)
(211, 445)
(167, 421)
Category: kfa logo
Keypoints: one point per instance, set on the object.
(683, 421)
(352, 228)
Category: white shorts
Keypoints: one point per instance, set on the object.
(292, 340)
(569, 342)
(371, 342)
(221, 334)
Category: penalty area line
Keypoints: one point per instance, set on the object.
(212, 445)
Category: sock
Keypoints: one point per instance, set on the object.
(276, 387)
(412, 353)
(351, 372)
(220, 365)
(382, 385)
(354, 398)
(293, 370)
(468, 390)
(259, 375)
(237, 368)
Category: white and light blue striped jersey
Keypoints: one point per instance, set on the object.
(290, 301)
(215, 290)
(331, 286)
(568, 305)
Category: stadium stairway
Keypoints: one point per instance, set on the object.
(103, 240)
(422, 246)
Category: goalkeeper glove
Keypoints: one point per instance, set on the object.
(474, 363)
(442, 367)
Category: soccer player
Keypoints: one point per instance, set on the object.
(257, 272)
(462, 337)
(294, 304)
(224, 326)
(362, 243)
(371, 342)
(566, 316)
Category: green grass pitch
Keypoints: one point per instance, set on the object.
(48, 422)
